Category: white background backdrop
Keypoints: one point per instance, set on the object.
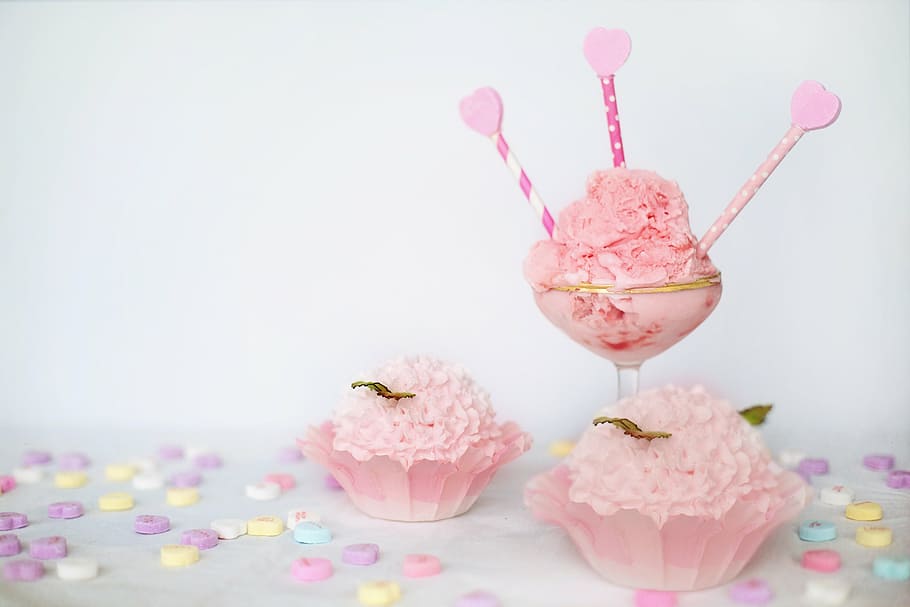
(215, 216)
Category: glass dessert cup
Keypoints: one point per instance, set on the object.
(627, 326)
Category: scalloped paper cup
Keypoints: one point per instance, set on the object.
(687, 553)
(428, 490)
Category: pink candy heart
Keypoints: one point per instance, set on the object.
(607, 50)
(812, 107)
(482, 111)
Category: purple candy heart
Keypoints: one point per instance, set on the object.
(12, 520)
(208, 460)
(812, 465)
(24, 570)
(478, 598)
(73, 461)
(752, 592)
(201, 538)
(34, 458)
(189, 478)
(360, 554)
(878, 462)
(65, 510)
(151, 524)
(9, 544)
(170, 452)
(898, 479)
(53, 547)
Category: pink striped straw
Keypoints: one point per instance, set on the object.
(811, 107)
(607, 51)
(482, 112)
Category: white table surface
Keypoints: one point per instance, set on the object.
(497, 546)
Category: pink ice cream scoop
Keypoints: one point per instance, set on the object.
(419, 441)
(622, 277)
(630, 230)
(684, 512)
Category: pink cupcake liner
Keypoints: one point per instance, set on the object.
(428, 490)
(687, 553)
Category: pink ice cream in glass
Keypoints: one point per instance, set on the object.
(622, 277)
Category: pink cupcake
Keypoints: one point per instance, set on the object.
(418, 441)
(680, 513)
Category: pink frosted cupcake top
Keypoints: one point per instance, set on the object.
(631, 229)
(712, 459)
(448, 414)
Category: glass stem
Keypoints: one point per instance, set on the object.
(627, 380)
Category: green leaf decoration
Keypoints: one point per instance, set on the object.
(382, 390)
(756, 414)
(630, 428)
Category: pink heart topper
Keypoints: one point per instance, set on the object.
(812, 107)
(607, 50)
(482, 111)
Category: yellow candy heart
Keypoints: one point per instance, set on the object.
(182, 496)
(864, 511)
(70, 479)
(179, 555)
(874, 537)
(378, 594)
(265, 525)
(113, 502)
(119, 472)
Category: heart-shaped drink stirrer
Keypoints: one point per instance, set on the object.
(607, 51)
(811, 107)
(482, 112)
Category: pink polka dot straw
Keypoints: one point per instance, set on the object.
(607, 51)
(811, 107)
(482, 112)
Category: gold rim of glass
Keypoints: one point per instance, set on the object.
(700, 283)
